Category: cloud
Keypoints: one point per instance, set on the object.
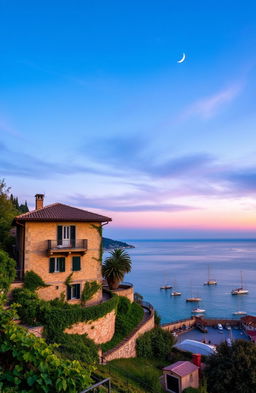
(209, 106)
(126, 203)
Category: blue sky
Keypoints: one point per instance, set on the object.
(96, 112)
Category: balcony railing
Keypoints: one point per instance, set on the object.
(77, 245)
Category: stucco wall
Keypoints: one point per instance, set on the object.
(127, 348)
(100, 331)
(36, 258)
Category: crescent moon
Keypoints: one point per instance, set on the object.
(182, 59)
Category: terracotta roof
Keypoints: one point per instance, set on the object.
(181, 368)
(249, 320)
(58, 212)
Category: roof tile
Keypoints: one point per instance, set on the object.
(58, 212)
(181, 368)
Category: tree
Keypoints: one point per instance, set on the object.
(155, 344)
(7, 271)
(7, 214)
(232, 368)
(115, 267)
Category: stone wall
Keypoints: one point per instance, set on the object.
(127, 348)
(179, 324)
(100, 331)
(126, 291)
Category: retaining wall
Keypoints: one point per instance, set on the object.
(127, 348)
(179, 324)
(100, 331)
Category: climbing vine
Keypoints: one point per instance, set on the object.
(90, 288)
(99, 230)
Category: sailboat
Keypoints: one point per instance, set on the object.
(241, 290)
(174, 292)
(210, 280)
(193, 298)
(166, 286)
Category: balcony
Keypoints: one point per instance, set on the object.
(78, 246)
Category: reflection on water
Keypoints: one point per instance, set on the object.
(186, 263)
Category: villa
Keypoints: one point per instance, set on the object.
(56, 241)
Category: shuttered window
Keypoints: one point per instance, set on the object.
(73, 291)
(76, 264)
(57, 265)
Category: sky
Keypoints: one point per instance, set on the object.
(96, 112)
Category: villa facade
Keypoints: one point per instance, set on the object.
(60, 242)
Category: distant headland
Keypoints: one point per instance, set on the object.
(109, 244)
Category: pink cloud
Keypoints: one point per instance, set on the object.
(209, 106)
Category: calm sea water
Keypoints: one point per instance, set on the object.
(186, 262)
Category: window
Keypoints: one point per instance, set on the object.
(66, 235)
(57, 265)
(73, 291)
(76, 264)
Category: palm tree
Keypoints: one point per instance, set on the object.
(115, 266)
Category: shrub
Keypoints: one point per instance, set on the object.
(157, 319)
(7, 271)
(129, 315)
(29, 365)
(90, 288)
(32, 281)
(78, 347)
(155, 344)
(30, 305)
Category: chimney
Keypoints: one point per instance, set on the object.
(39, 201)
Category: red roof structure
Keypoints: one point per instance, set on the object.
(58, 212)
(249, 320)
(181, 368)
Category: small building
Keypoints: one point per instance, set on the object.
(180, 375)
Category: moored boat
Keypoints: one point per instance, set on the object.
(193, 299)
(210, 280)
(239, 313)
(198, 311)
(176, 293)
(166, 287)
(241, 290)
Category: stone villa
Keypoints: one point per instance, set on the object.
(57, 240)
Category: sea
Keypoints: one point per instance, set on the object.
(185, 264)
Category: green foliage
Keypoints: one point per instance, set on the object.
(21, 208)
(129, 315)
(90, 288)
(157, 319)
(77, 347)
(56, 315)
(232, 369)
(133, 375)
(155, 344)
(32, 281)
(191, 390)
(7, 214)
(29, 365)
(115, 266)
(7, 271)
(68, 280)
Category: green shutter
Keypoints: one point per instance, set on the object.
(62, 264)
(73, 235)
(68, 292)
(51, 265)
(77, 291)
(76, 264)
(59, 235)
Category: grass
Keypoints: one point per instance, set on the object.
(135, 375)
